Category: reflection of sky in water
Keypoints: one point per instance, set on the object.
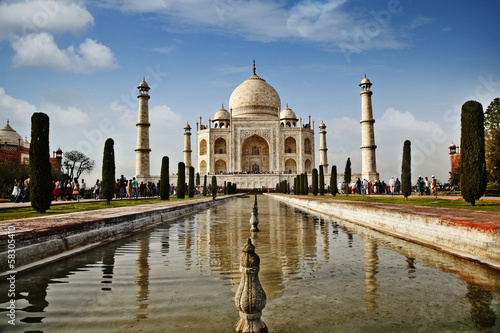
(319, 275)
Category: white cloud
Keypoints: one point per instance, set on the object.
(428, 140)
(18, 18)
(163, 117)
(18, 111)
(40, 50)
(70, 117)
(327, 22)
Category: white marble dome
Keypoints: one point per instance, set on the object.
(222, 114)
(255, 98)
(287, 113)
(9, 135)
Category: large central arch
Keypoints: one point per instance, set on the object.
(255, 155)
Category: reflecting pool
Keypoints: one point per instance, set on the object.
(319, 274)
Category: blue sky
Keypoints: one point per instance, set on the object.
(81, 61)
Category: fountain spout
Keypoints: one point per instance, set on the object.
(250, 297)
(254, 220)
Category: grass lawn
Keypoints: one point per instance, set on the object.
(73, 206)
(490, 206)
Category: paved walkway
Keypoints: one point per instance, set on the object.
(476, 219)
(70, 221)
(4, 205)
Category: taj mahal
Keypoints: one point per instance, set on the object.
(256, 144)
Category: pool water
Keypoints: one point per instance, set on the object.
(319, 274)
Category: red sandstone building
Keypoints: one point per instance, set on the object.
(16, 150)
(454, 157)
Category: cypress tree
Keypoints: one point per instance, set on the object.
(191, 182)
(181, 180)
(406, 187)
(347, 172)
(472, 161)
(164, 179)
(302, 184)
(306, 182)
(315, 181)
(321, 181)
(40, 181)
(333, 181)
(214, 187)
(108, 171)
(205, 186)
(197, 179)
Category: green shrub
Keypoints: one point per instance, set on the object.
(164, 179)
(40, 183)
(315, 181)
(108, 171)
(472, 160)
(333, 181)
(406, 187)
(181, 180)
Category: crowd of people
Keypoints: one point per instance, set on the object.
(423, 186)
(130, 188)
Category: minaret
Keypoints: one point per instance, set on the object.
(368, 160)
(187, 147)
(323, 159)
(142, 151)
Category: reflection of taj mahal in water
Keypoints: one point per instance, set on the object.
(256, 143)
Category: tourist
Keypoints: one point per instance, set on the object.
(20, 194)
(433, 185)
(97, 190)
(420, 185)
(398, 185)
(359, 186)
(129, 189)
(26, 189)
(427, 186)
(57, 190)
(366, 186)
(15, 190)
(76, 189)
(392, 185)
(135, 193)
(122, 184)
(82, 188)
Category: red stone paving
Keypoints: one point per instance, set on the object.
(480, 220)
(487, 221)
(71, 221)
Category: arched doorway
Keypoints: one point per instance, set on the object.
(290, 166)
(307, 146)
(255, 155)
(290, 146)
(203, 147)
(308, 166)
(220, 146)
(220, 166)
(203, 167)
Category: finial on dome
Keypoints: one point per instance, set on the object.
(7, 121)
(254, 66)
(287, 105)
(223, 105)
(365, 75)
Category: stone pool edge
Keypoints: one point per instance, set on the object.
(86, 230)
(477, 244)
